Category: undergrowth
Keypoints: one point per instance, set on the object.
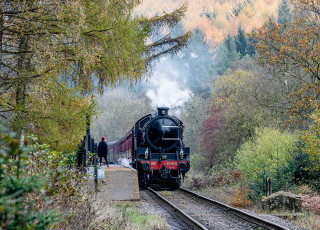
(39, 189)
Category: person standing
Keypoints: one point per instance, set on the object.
(103, 150)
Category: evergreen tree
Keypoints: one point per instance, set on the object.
(241, 42)
(227, 41)
(284, 12)
(224, 57)
(233, 55)
(210, 15)
(251, 49)
(198, 59)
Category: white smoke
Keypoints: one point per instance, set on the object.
(193, 55)
(167, 86)
(124, 162)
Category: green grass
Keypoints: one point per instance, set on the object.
(128, 215)
(144, 221)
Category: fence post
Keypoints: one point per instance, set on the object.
(95, 173)
(268, 186)
(80, 154)
(87, 141)
(95, 148)
(86, 149)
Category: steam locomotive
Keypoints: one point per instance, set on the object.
(154, 147)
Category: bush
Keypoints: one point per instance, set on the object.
(298, 169)
(34, 181)
(217, 176)
(198, 181)
(301, 169)
(266, 155)
(226, 174)
(262, 155)
(65, 188)
(311, 146)
(17, 211)
(199, 163)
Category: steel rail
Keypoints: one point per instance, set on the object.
(237, 212)
(184, 216)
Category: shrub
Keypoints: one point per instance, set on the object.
(218, 176)
(34, 181)
(297, 170)
(225, 174)
(266, 155)
(269, 149)
(199, 163)
(240, 197)
(65, 188)
(198, 181)
(17, 211)
(301, 169)
(311, 147)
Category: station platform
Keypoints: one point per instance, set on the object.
(118, 183)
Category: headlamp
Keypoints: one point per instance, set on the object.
(181, 154)
(146, 153)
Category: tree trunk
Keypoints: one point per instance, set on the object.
(1, 36)
(21, 85)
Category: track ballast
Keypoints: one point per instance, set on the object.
(205, 213)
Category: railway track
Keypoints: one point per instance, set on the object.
(185, 220)
(203, 213)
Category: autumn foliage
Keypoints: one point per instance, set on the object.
(294, 49)
(292, 45)
(264, 116)
(217, 18)
(211, 131)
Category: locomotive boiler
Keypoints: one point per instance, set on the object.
(154, 146)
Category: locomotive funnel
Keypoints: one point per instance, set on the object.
(163, 111)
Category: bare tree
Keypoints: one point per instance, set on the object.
(119, 109)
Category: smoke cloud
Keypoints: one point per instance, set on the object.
(167, 85)
(124, 161)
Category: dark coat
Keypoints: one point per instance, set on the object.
(102, 149)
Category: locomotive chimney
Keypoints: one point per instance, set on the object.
(163, 111)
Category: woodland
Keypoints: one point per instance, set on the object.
(261, 119)
(252, 69)
(55, 56)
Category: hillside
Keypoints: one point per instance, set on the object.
(216, 18)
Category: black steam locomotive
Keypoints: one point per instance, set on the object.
(154, 146)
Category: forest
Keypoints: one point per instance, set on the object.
(243, 76)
